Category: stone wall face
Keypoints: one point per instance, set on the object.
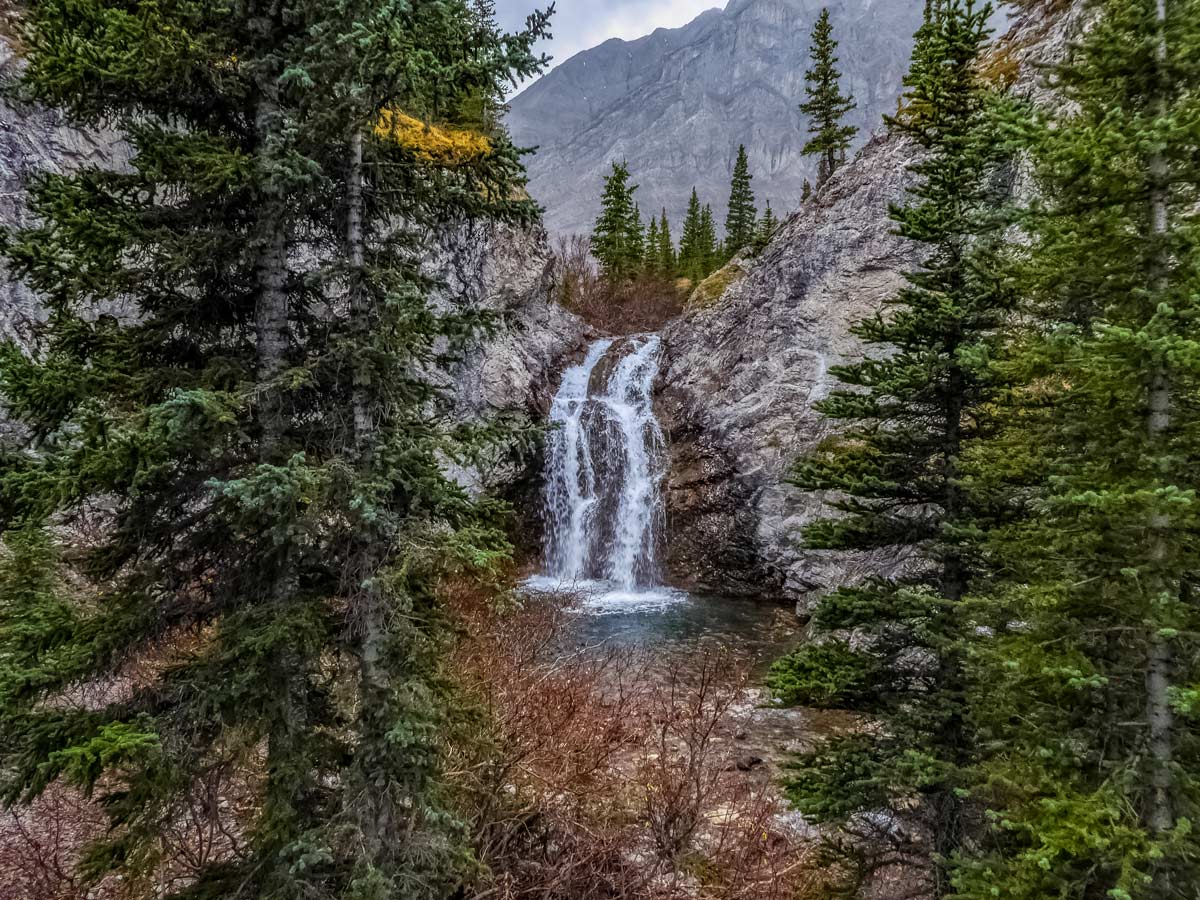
(743, 371)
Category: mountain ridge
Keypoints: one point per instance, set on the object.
(676, 103)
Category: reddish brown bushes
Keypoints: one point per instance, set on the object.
(631, 307)
(604, 776)
(584, 772)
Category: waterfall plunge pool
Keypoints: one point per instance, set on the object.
(673, 621)
(606, 462)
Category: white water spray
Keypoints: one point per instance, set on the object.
(605, 464)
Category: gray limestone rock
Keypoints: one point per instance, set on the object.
(743, 370)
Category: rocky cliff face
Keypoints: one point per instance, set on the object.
(742, 376)
(513, 371)
(677, 103)
(742, 372)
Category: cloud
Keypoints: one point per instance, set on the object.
(581, 24)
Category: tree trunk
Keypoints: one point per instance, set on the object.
(363, 424)
(1160, 718)
(376, 810)
(285, 778)
(271, 310)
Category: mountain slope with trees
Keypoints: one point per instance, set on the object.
(675, 105)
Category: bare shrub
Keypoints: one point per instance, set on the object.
(40, 845)
(630, 307)
(604, 774)
(682, 773)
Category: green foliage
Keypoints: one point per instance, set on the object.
(827, 675)
(235, 430)
(766, 228)
(617, 239)
(826, 106)
(667, 259)
(653, 248)
(696, 244)
(1083, 697)
(742, 218)
(906, 415)
(708, 250)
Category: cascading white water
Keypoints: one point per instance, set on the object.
(605, 463)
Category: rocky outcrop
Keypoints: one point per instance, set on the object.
(509, 273)
(743, 373)
(743, 370)
(512, 370)
(677, 103)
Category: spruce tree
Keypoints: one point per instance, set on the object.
(1091, 696)
(651, 257)
(635, 245)
(905, 417)
(691, 243)
(826, 106)
(767, 227)
(667, 262)
(231, 416)
(742, 217)
(615, 231)
(708, 250)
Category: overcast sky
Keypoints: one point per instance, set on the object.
(580, 24)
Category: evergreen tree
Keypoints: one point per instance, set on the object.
(767, 227)
(691, 243)
(1092, 701)
(254, 587)
(651, 258)
(667, 263)
(636, 242)
(708, 250)
(826, 106)
(742, 217)
(906, 415)
(616, 238)
(807, 192)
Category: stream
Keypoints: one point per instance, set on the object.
(606, 462)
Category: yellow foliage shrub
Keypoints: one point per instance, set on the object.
(441, 146)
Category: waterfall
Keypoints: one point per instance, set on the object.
(605, 464)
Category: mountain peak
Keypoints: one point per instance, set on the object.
(676, 104)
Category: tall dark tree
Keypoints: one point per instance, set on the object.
(651, 260)
(1092, 700)
(691, 242)
(708, 251)
(743, 215)
(826, 106)
(667, 261)
(905, 417)
(616, 237)
(229, 410)
(636, 241)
